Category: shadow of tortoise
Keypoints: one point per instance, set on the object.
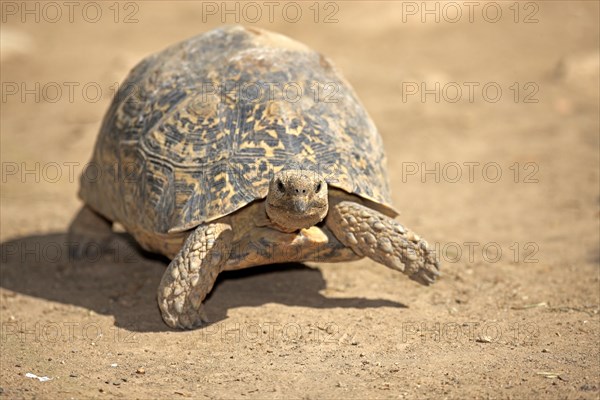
(122, 281)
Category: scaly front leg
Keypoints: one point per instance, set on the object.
(372, 234)
(192, 274)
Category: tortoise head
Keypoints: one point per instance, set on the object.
(297, 199)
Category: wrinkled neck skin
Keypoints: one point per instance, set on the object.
(296, 200)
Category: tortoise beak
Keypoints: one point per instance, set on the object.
(300, 206)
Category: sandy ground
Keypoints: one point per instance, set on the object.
(511, 203)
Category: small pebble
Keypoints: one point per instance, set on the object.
(140, 371)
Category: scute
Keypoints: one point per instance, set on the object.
(197, 131)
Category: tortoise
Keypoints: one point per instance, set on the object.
(242, 147)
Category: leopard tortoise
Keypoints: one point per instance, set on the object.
(242, 147)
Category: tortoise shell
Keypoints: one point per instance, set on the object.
(197, 131)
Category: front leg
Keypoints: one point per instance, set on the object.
(372, 234)
(192, 274)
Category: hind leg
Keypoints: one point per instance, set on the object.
(89, 232)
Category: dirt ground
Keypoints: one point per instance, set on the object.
(499, 173)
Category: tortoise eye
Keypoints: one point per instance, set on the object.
(318, 188)
(280, 186)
